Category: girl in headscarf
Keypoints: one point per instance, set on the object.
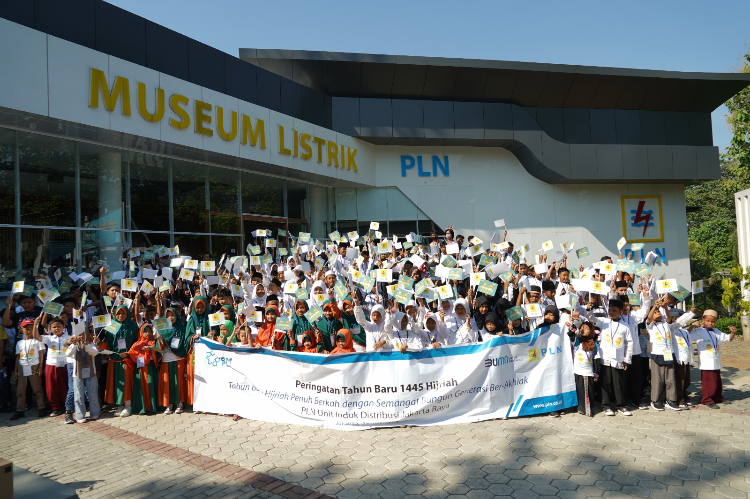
(226, 332)
(329, 324)
(309, 345)
(197, 325)
(403, 338)
(300, 324)
(267, 332)
(492, 326)
(143, 357)
(460, 327)
(359, 338)
(258, 298)
(343, 342)
(285, 340)
(432, 330)
(175, 345)
(318, 289)
(480, 312)
(377, 331)
(119, 387)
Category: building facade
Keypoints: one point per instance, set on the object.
(114, 129)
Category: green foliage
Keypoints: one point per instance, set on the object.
(723, 323)
(712, 231)
(739, 121)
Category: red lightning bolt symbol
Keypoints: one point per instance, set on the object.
(639, 217)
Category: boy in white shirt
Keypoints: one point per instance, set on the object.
(708, 340)
(85, 384)
(615, 352)
(56, 371)
(29, 355)
(662, 354)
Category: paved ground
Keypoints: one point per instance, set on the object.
(736, 354)
(699, 453)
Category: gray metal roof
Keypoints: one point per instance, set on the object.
(523, 83)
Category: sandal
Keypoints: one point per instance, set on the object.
(236, 418)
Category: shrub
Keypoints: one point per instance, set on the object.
(723, 323)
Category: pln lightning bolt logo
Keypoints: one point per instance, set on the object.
(642, 218)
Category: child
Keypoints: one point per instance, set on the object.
(615, 352)
(197, 325)
(585, 367)
(243, 333)
(143, 357)
(85, 384)
(460, 328)
(683, 360)
(708, 341)
(343, 342)
(119, 375)
(329, 324)
(378, 330)
(29, 356)
(267, 332)
(431, 331)
(402, 336)
(359, 338)
(309, 345)
(56, 369)
(662, 356)
(175, 345)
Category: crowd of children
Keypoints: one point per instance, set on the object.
(123, 339)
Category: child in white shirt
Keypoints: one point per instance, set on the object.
(85, 383)
(708, 340)
(29, 355)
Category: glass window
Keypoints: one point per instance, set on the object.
(426, 227)
(372, 205)
(402, 228)
(262, 195)
(102, 200)
(318, 216)
(400, 207)
(46, 246)
(193, 245)
(7, 179)
(346, 204)
(296, 200)
(222, 185)
(47, 180)
(190, 203)
(225, 245)
(149, 192)
(7, 256)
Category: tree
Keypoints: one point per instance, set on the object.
(712, 231)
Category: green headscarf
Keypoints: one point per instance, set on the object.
(177, 331)
(128, 331)
(358, 333)
(198, 321)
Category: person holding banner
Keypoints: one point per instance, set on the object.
(460, 327)
(329, 324)
(119, 375)
(174, 345)
(343, 342)
(403, 337)
(377, 331)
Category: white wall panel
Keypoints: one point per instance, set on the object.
(23, 73)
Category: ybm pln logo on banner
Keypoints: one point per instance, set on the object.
(642, 219)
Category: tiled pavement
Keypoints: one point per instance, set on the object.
(698, 453)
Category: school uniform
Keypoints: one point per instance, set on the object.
(56, 371)
(683, 360)
(586, 367)
(374, 333)
(662, 361)
(709, 343)
(615, 352)
(29, 372)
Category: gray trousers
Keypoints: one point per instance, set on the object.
(663, 376)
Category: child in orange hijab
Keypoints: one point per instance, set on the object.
(308, 343)
(143, 358)
(267, 332)
(344, 342)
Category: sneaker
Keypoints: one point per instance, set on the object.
(657, 406)
(105, 408)
(69, 419)
(609, 412)
(643, 406)
(119, 410)
(180, 409)
(17, 415)
(554, 414)
(125, 412)
(54, 414)
(684, 407)
(169, 410)
(726, 402)
(625, 412)
(80, 421)
(673, 406)
(710, 406)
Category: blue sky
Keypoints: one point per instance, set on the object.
(688, 35)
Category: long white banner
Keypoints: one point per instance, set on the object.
(508, 376)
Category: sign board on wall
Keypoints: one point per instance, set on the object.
(642, 218)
